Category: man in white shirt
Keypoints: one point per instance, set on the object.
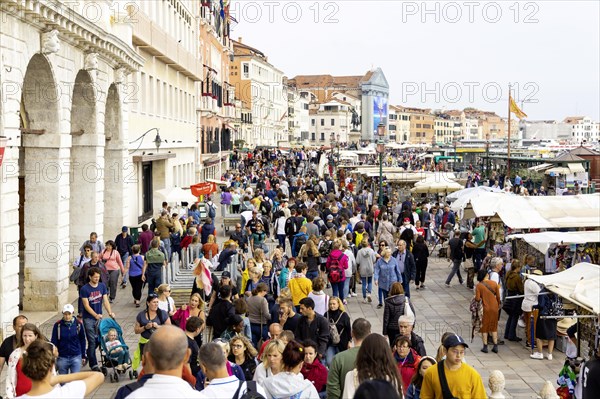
(167, 351)
(221, 385)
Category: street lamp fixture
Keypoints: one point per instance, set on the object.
(380, 151)
(157, 140)
(455, 144)
(487, 154)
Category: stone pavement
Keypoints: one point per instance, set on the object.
(438, 309)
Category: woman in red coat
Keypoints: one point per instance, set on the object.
(407, 358)
(313, 370)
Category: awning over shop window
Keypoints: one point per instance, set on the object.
(549, 212)
(542, 241)
(576, 168)
(579, 284)
(541, 167)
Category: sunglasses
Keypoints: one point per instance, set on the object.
(238, 346)
(382, 245)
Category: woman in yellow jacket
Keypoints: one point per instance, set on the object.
(300, 286)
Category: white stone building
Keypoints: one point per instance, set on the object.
(165, 34)
(66, 172)
(297, 116)
(332, 117)
(260, 85)
(583, 129)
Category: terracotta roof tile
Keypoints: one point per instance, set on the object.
(573, 119)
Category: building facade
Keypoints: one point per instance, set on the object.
(217, 92)
(370, 89)
(65, 82)
(165, 34)
(422, 126)
(260, 85)
(583, 129)
(330, 121)
(545, 130)
(297, 117)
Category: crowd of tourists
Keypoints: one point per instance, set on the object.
(267, 314)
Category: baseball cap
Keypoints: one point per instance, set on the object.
(454, 340)
(124, 228)
(329, 217)
(68, 308)
(406, 220)
(226, 274)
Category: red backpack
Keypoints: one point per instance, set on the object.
(335, 270)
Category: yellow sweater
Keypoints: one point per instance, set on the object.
(464, 383)
(300, 288)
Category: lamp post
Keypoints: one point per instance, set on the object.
(487, 154)
(455, 144)
(380, 151)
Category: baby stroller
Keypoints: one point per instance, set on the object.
(108, 355)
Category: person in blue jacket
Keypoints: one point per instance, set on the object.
(68, 335)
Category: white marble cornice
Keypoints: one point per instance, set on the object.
(75, 29)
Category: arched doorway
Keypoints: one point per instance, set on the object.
(118, 172)
(44, 190)
(87, 163)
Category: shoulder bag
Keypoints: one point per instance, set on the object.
(446, 393)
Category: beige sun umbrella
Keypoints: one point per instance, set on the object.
(435, 187)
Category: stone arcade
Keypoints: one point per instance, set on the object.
(64, 124)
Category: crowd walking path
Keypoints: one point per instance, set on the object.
(438, 309)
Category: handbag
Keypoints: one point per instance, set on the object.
(74, 277)
(334, 334)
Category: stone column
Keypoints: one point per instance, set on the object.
(47, 159)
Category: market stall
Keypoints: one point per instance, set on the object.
(558, 250)
(579, 285)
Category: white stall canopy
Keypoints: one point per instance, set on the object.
(580, 284)
(549, 212)
(542, 241)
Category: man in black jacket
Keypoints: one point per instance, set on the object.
(240, 237)
(222, 310)
(312, 326)
(457, 255)
(407, 264)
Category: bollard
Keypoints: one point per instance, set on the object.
(496, 383)
(548, 391)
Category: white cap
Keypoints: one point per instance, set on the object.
(68, 308)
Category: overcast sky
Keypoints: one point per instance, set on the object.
(442, 55)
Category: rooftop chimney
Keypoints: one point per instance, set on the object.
(239, 39)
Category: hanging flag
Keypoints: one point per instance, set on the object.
(516, 110)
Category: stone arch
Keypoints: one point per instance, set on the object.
(44, 188)
(118, 170)
(41, 97)
(86, 164)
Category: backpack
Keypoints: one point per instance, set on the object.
(408, 236)
(358, 237)
(251, 391)
(212, 211)
(334, 334)
(335, 270)
(290, 226)
(176, 239)
(325, 249)
(300, 241)
(265, 207)
(361, 199)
